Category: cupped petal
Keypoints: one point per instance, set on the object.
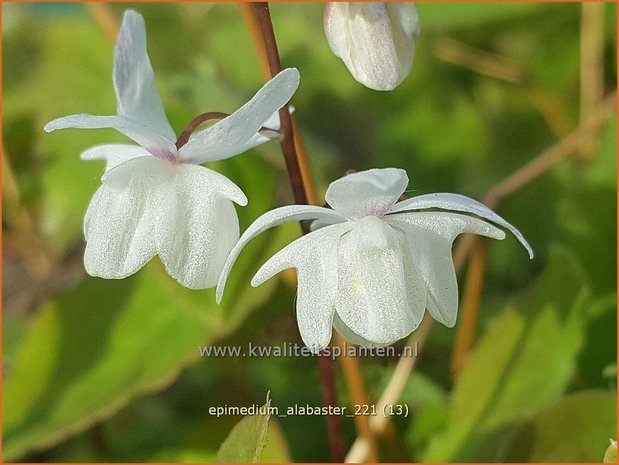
(159, 172)
(429, 238)
(376, 41)
(371, 192)
(114, 154)
(119, 223)
(381, 297)
(198, 225)
(268, 220)
(459, 203)
(144, 136)
(231, 135)
(353, 337)
(136, 94)
(314, 256)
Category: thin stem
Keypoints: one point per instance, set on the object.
(329, 393)
(550, 157)
(591, 67)
(288, 146)
(255, 33)
(391, 394)
(469, 313)
(358, 396)
(105, 18)
(301, 197)
(197, 121)
(253, 26)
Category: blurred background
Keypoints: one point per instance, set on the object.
(97, 370)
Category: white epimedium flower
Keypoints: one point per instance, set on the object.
(372, 265)
(375, 40)
(155, 199)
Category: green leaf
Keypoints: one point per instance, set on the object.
(276, 447)
(610, 456)
(574, 429)
(247, 439)
(503, 381)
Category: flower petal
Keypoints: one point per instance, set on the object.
(381, 297)
(134, 82)
(147, 138)
(370, 192)
(114, 154)
(232, 135)
(198, 225)
(353, 337)
(375, 40)
(269, 220)
(459, 203)
(119, 223)
(430, 237)
(315, 258)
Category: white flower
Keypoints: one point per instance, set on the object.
(373, 266)
(155, 199)
(376, 41)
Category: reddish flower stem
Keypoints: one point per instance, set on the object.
(197, 121)
(300, 193)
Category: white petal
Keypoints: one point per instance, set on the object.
(348, 333)
(159, 172)
(134, 83)
(375, 40)
(199, 227)
(371, 192)
(430, 237)
(231, 135)
(459, 203)
(269, 220)
(114, 154)
(147, 138)
(315, 258)
(381, 298)
(120, 223)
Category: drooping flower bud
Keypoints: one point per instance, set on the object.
(376, 41)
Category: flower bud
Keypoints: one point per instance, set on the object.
(376, 41)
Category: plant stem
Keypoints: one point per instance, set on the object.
(293, 167)
(471, 301)
(591, 67)
(301, 197)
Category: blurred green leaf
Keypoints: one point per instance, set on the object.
(523, 362)
(247, 439)
(600, 350)
(574, 429)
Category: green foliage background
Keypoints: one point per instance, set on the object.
(97, 370)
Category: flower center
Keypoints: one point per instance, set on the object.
(164, 154)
